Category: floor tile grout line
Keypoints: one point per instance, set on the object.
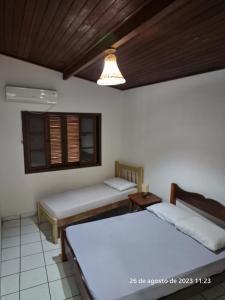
(41, 267)
(45, 265)
(21, 241)
(28, 254)
(18, 245)
(42, 284)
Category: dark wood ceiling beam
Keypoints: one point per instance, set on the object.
(152, 12)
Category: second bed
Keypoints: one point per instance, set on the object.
(137, 256)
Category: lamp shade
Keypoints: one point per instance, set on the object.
(111, 74)
(145, 188)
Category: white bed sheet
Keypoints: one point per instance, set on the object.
(76, 201)
(112, 251)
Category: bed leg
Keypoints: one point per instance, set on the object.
(55, 233)
(39, 213)
(63, 235)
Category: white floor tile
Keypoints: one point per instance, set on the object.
(11, 242)
(30, 238)
(47, 245)
(28, 221)
(9, 284)
(11, 224)
(32, 278)
(32, 262)
(213, 293)
(10, 267)
(75, 298)
(53, 257)
(59, 270)
(9, 232)
(40, 292)
(14, 296)
(30, 249)
(10, 253)
(63, 289)
(8, 218)
(29, 229)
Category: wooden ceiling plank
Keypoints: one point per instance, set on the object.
(27, 44)
(64, 28)
(46, 22)
(37, 20)
(169, 66)
(9, 12)
(61, 14)
(67, 39)
(184, 41)
(176, 74)
(127, 30)
(26, 26)
(112, 17)
(2, 26)
(81, 38)
(189, 20)
(18, 22)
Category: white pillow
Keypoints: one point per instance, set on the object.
(205, 232)
(169, 212)
(120, 184)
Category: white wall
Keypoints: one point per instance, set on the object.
(18, 192)
(176, 130)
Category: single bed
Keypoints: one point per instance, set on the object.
(79, 204)
(110, 256)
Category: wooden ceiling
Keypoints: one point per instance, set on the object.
(156, 40)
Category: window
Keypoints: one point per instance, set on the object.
(57, 141)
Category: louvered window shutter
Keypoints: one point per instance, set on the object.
(73, 139)
(55, 138)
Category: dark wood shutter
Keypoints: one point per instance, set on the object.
(57, 141)
(73, 139)
(55, 138)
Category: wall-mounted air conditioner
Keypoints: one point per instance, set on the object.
(27, 95)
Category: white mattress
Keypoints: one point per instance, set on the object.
(83, 199)
(112, 251)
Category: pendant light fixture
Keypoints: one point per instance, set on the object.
(111, 74)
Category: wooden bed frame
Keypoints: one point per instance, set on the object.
(212, 207)
(131, 173)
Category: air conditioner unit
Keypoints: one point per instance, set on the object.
(27, 95)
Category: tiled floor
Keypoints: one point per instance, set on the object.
(31, 266)
(32, 269)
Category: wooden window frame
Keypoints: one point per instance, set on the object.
(65, 166)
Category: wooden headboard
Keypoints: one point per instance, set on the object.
(131, 173)
(210, 206)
